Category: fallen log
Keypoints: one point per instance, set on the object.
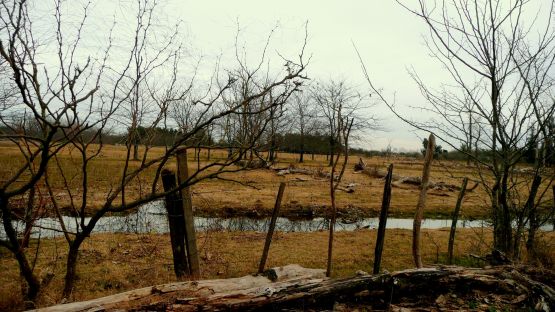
(293, 287)
(254, 163)
(318, 173)
(416, 181)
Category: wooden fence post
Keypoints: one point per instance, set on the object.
(417, 224)
(275, 214)
(190, 236)
(383, 219)
(454, 223)
(176, 223)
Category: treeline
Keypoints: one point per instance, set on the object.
(541, 148)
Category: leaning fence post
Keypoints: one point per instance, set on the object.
(190, 236)
(275, 214)
(176, 223)
(383, 219)
(454, 224)
(417, 224)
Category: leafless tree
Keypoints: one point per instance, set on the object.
(57, 108)
(343, 125)
(305, 117)
(337, 96)
(501, 88)
(74, 101)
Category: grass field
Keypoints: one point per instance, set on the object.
(111, 263)
(215, 196)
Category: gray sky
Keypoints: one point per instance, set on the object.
(389, 39)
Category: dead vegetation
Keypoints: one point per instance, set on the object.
(252, 192)
(113, 263)
(416, 181)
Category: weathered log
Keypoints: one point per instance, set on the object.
(192, 291)
(318, 173)
(292, 271)
(254, 164)
(376, 172)
(298, 288)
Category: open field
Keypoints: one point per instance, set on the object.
(220, 197)
(111, 263)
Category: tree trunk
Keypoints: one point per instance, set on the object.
(301, 157)
(422, 201)
(73, 252)
(332, 151)
(505, 241)
(332, 220)
(469, 149)
(532, 217)
(29, 218)
(33, 285)
(272, 149)
(135, 151)
(331, 228)
(71, 266)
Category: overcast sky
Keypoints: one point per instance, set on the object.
(389, 38)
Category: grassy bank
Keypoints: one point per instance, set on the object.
(111, 263)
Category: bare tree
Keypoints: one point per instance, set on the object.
(334, 96)
(343, 128)
(57, 108)
(304, 113)
(500, 90)
(73, 107)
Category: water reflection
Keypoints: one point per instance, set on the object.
(152, 218)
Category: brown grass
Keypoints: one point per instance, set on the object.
(111, 263)
(217, 196)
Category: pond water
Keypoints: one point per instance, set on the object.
(152, 218)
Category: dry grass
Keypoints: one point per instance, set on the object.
(224, 197)
(111, 263)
